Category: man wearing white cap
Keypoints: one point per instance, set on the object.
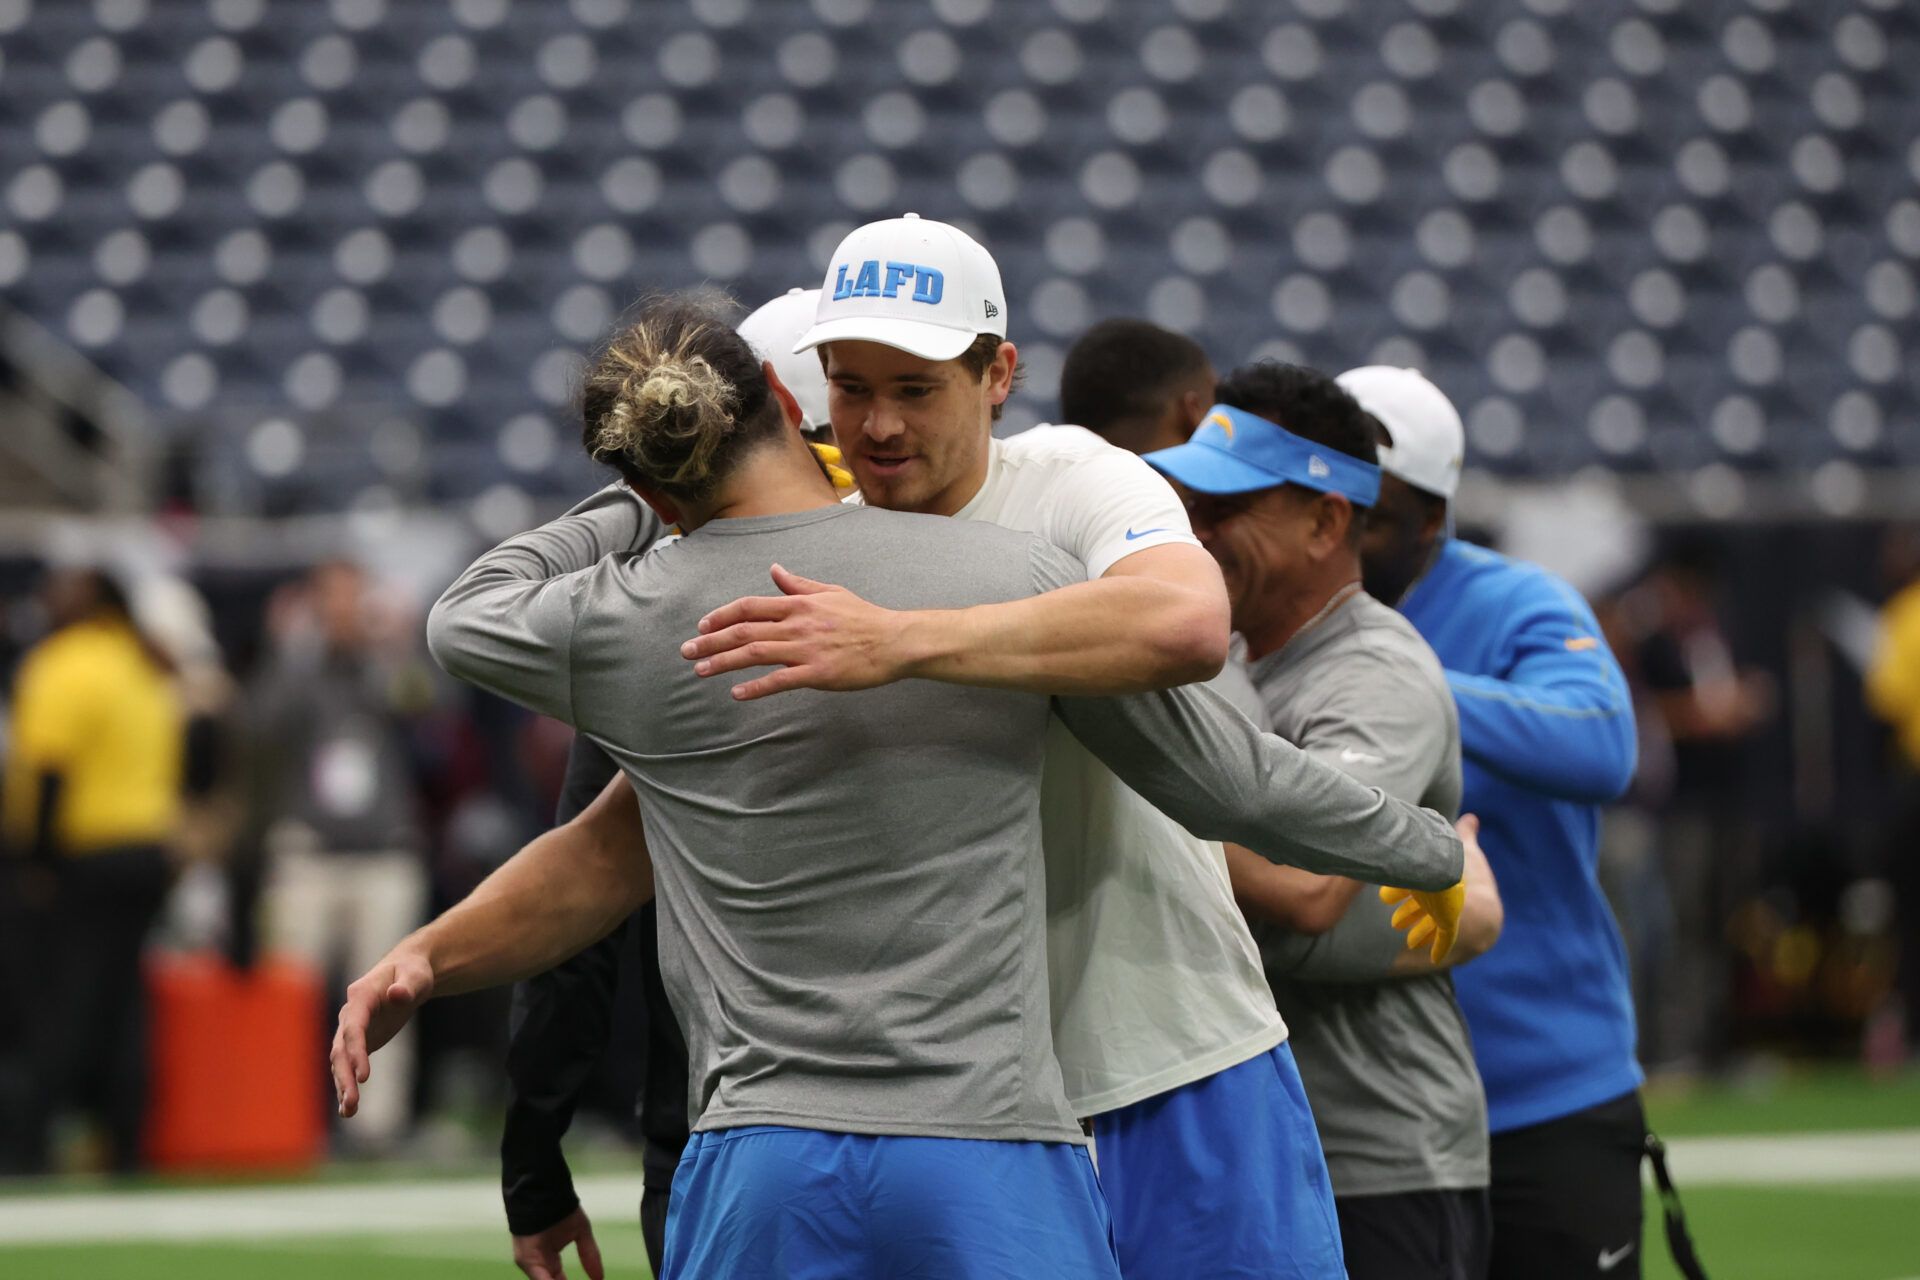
(1547, 739)
(1165, 1030)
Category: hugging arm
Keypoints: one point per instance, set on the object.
(1206, 766)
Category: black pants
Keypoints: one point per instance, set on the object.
(1566, 1196)
(1416, 1235)
(93, 1047)
(653, 1223)
(663, 1092)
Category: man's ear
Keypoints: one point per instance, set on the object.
(666, 508)
(1191, 410)
(1000, 373)
(1333, 517)
(789, 403)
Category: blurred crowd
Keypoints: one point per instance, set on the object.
(309, 805)
(271, 771)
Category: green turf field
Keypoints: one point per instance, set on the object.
(1794, 1229)
(1861, 1231)
(1866, 1232)
(1809, 1100)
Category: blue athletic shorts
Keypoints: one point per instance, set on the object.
(1222, 1178)
(773, 1203)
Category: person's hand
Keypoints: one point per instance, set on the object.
(539, 1255)
(378, 1005)
(819, 635)
(830, 458)
(1435, 917)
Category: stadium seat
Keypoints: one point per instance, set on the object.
(1551, 206)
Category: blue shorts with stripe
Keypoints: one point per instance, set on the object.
(801, 1204)
(1222, 1178)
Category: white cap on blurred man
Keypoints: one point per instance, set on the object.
(772, 331)
(1428, 441)
(912, 283)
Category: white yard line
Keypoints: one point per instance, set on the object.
(253, 1213)
(1800, 1157)
(259, 1213)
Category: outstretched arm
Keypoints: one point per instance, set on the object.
(569, 887)
(1203, 764)
(1558, 719)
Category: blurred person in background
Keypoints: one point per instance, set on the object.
(174, 616)
(92, 803)
(332, 819)
(1703, 708)
(1546, 740)
(1893, 692)
(1137, 385)
(563, 1019)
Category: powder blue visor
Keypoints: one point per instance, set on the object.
(1239, 452)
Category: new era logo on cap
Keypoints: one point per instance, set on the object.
(912, 283)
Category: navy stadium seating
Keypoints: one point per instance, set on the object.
(1670, 235)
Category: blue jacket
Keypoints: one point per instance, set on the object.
(1546, 739)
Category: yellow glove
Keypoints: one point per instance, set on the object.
(829, 459)
(1426, 916)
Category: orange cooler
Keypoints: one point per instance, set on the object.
(238, 1071)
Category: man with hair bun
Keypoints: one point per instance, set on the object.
(563, 1019)
(853, 939)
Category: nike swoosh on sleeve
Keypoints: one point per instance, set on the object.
(1131, 535)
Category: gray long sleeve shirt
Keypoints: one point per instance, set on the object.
(852, 907)
(1386, 1059)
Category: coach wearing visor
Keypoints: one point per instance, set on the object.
(1382, 1045)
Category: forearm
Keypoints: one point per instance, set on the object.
(1292, 899)
(1365, 946)
(1203, 764)
(1117, 634)
(1481, 921)
(544, 904)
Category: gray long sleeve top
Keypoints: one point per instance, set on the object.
(851, 892)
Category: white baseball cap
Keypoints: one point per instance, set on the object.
(771, 332)
(1428, 442)
(912, 283)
